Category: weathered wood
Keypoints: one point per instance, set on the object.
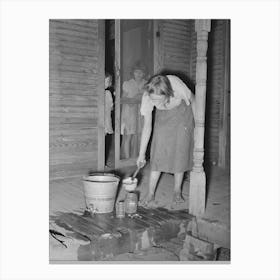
(72, 68)
(197, 196)
(75, 145)
(77, 77)
(177, 56)
(158, 51)
(173, 36)
(57, 126)
(71, 86)
(177, 22)
(86, 46)
(101, 96)
(176, 30)
(71, 100)
(74, 79)
(55, 54)
(80, 24)
(155, 220)
(180, 46)
(69, 170)
(110, 235)
(61, 114)
(215, 88)
(59, 28)
(193, 51)
(64, 48)
(72, 157)
(175, 45)
(102, 221)
(73, 97)
(79, 224)
(72, 132)
(74, 30)
(117, 91)
(73, 109)
(59, 120)
(59, 64)
(224, 104)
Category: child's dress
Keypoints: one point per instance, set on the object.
(108, 109)
(129, 112)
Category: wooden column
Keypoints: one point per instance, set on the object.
(197, 179)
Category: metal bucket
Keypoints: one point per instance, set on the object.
(100, 192)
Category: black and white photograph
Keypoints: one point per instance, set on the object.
(139, 140)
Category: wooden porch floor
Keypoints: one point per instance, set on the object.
(66, 196)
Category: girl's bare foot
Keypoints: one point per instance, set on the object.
(148, 201)
(178, 198)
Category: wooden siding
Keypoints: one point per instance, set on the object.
(193, 52)
(215, 88)
(73, 100)
(173, 54)
(176, 45)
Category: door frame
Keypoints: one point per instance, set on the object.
(101, 96)
(119, 163)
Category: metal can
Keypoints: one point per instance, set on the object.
(120, 209)
(131, 203)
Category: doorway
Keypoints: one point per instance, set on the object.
(127, 43)
(109, 70)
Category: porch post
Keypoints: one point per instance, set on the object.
(197, 196)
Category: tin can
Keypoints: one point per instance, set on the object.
(120, 209)
(131, 203)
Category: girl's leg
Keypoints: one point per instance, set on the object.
(154, 177)
(178, 179)
(125, 146)
(134, 148)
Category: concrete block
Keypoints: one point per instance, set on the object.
(197, 249)
(212, 231)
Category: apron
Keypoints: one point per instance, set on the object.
(173, 140)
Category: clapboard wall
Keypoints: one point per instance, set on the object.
(215, 89)
(73, 104)
(174, 46)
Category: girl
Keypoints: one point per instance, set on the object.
(108, 110)
(172, 143)
(131, 89)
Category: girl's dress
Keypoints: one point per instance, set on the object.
(173, 132)
(130, 112)
(108, 109)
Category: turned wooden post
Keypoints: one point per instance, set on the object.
(197, 197)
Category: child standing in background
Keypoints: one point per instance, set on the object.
(108, 110)
(130, 113)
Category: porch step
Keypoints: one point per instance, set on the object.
(109, 236)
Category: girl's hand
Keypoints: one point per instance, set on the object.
(141, 161)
